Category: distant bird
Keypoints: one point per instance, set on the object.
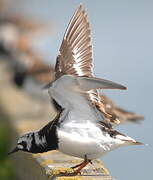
(15, 44)
(16, 32)
(80, 129)
(29, 64)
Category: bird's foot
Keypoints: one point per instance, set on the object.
(60, 172)
(79, 167)
(73, 171)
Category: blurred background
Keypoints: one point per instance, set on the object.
(122, 35)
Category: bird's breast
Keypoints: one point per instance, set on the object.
(83, 139)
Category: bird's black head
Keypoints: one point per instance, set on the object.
(24, 143)
(32, 142)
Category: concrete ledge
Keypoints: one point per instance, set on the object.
(28, 114)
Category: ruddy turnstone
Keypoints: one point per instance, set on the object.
(80, 129)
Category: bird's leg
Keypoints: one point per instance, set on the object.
(76, 171)
(73, 167)
(81, 165)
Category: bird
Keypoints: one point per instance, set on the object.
(16, 37)
(82, 127)
(30, 71)
(17, 32)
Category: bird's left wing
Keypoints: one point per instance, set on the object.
(90, 83)
(119, 115)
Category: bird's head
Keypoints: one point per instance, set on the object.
(24, 143)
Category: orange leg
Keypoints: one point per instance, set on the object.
(78, 165)
(81, 165)
(77, 168)
(77, 171)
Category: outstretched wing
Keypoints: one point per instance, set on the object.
(75, 58)
(75, 55)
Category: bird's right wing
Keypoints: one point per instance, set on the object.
(75, 54)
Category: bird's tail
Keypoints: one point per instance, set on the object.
(128, 140)
(134, 142)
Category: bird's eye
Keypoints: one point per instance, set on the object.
(23, 144)
(20, 146)
(28, 135)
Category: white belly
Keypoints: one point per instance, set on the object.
(82, 140)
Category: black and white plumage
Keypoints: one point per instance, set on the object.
(39, 141)
(80, 128)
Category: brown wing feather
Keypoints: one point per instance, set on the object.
(117, 114)
(75, 58)
(76, 50)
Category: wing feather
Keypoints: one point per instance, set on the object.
(75, 55)
(118, 114)
(75, 58)
(76, 50)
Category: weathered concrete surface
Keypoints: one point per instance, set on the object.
(28, 114)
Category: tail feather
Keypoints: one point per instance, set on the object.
(134, 142)
(128, 140)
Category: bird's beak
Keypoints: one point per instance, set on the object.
(13, 151)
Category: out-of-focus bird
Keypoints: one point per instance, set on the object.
(15, 44)
(17, 32)
(80, 129)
